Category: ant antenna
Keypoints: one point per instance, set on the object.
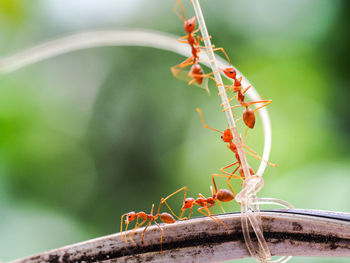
(179, 3)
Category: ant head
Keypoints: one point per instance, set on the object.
(188, 203)
(130, 217)
(190, 25)
(230, 72)
(227, 136)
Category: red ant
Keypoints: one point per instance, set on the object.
(192, 40)
(164, 217)
(222, 195)
(248, 114)
(194, 76)
(227, 137)
(196, 73)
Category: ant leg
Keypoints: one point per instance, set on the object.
(244, 91)
(255, 155)
(212, 193)
(222, 209)
(183, 188)
(228, 166)
(143, 232)
(238, 120)
(205, 38)
(245, 132)
(229, 100)
(203, 123)
(121, 226)
(152, 209)
(195, 31)
(189, 62)
(268, 102)
(199, 38)
(251, 150)
(207, 214)
(163, 200)
(232, 107)
(215, 219)
(260, 101)
(228, 181)
(161, 236)
(201, 196)
(137, 226)
(126, 229)
(216, 189)
(196, 76)
(215, 49)
(209, 76)
(230, 175)
(189, 214)
(185, 63)
(223, 51)
(181, 40)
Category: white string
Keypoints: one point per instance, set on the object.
(252, 184)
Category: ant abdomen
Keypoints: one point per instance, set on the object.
(167, 218)
(196, 73)
(249, 118)
(224, 195)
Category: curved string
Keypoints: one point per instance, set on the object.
(127, 37)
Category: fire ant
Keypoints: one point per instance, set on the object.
(196, 73)
(248, 114)
(195, 76)
(164, 217)
(205, 204)
(227, 137)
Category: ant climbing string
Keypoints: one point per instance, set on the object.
(227, 137)
(248, 114)
(196, 74)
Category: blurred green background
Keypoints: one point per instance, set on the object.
(93, 134)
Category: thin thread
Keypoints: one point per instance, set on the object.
(250, 210)
(220, 84)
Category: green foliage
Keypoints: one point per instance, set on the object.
(91, 135)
